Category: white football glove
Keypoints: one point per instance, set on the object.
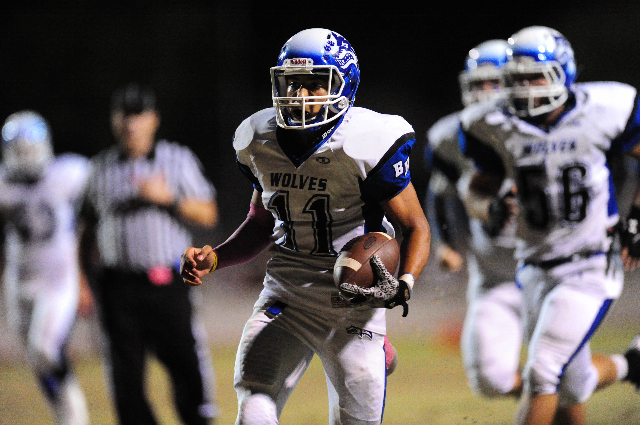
(387, 292)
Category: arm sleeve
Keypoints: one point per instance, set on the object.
(249, 240)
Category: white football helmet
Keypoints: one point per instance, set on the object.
(26, 145)
(538, 53)
(481, 79)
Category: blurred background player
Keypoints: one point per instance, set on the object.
(323, 173)
(492, 331)
(553, 139)
(141, 198)
(39, 201)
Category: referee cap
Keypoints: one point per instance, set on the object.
(133, 99)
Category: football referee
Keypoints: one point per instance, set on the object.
(141, 197)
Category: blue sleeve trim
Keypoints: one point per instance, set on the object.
(391, 175)
(630, 137)
(612, 206)
(247, 172)
(449, 169)
(485, 158)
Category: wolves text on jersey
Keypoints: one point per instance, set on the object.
(298, 181)
(547, 146)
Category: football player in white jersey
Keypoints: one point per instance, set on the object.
(552, 138)
(323, 173)
(492, 331)
(39, 194)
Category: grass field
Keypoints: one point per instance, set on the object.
(427, 388)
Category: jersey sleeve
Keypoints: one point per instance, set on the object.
(484, 157)
(391, 175)
(630, 136)
(248, 174)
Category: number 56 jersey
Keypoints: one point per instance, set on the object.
(564, 184)
(326, 198)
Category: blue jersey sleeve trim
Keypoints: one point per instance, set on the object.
(428, 156)
(612, 205)
(630, 137)
(391, 175)
(247, 172)
(462, 141)
(485, 158)
(449, 169)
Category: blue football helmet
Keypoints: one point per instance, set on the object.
(26, 145)
(319, 52)
(481, 79)
(538, 52)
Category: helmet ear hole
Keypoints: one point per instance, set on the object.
(339, 106)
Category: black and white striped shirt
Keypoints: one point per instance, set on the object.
(133, 235)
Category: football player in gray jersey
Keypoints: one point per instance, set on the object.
(492, 331)
(39, 199)
(323, 173)
(553, 138)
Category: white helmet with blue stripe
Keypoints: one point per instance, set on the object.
(26, 145)
(538, 53)
(320, 52)
(481, 79)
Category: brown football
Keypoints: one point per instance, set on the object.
(353, 264)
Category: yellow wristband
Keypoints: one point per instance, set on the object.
(215, 261)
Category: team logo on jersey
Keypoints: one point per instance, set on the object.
(354, 330)
(323, 160)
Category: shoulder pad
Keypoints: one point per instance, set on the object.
(254, 127)
(366, 134)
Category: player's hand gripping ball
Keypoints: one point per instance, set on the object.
(363, 272)
(353, 264)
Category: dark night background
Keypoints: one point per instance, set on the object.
(209, 63)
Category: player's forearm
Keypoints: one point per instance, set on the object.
(248, 241)
(440, 218)
(415, 249)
